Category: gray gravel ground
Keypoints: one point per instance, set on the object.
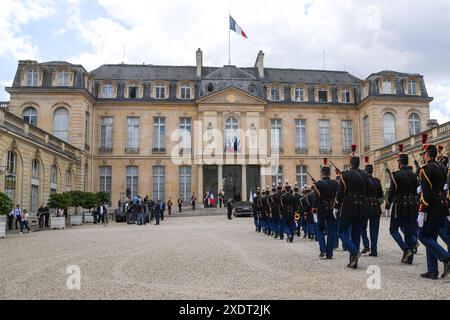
(199, 258)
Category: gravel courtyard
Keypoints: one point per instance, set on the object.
(203, 257)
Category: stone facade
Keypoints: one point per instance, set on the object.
(122, 124)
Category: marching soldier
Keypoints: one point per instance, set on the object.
(270, 209)
(276, 213)
(297, 209)
(256, 211)
(350, 199)
(444, 230)
(401, 198)
(287, 212)
(432, 209)
(374, 194)
(322, 209)
(306, 202)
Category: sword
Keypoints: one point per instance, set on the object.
(312, 178)
(416, 163)
(338, 171)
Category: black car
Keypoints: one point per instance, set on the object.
(243, 208)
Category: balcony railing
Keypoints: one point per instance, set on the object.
(325, 151)
(131, 150)
(105, 150)
(159, 150)
(301, 150)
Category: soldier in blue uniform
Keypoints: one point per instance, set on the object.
(433, 208)
(350, 199)
(444, 229)
(322, 209)
(306, 203)
(276, 213)
(402, 200)
(257, 212)
(372, 219)
(287, 213)
(297, 209)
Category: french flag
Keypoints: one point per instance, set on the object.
(236, 28)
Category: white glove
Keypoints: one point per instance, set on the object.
(446, 187)
(421, 219)
(316, 218)
(335, 213)
(388, 212)
(419, 189)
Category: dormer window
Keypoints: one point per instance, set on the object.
(387, 87)
(299, 95)
(412, 88)
(345, 96)
(323, 95)
(108, 91)
(133, 92)
(275, 93)
(63, 78)
(160, 91)
(32, 78)
(185, 92)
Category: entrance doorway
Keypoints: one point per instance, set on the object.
(232, 182)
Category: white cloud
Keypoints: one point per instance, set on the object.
(13, 15)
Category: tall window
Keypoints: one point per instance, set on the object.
(323, 95)
(186, 130)
(232, 142)
(387, 87)
(159, 134)
(108, 91)
(35, 169)
(68, 181)
(414, 124)
(300, 137)
(106, 180)
(299, 94)
(277, 175)
(276, 136)
(63, 78)
(412, 88)
(10, 178)
(347, 135)
(32, 78)
(133, 92)
(185, 183)
(86, 129)
(132, 181)
(132, 144)
(366, 133)
(106, 134)
(325, 136)
(275, 94)
(345, 96)
(159, 174)
(160, 91)
(389, 128)
(30, 116)
(53, 179)
(302, 176)
(85, 178)
(61, 124)
(185, 92)
(34, 186)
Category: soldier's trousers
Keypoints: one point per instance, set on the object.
(275, 224)
(311, 228)
(289, 227)
(374, 227)
(407, 225)
(328, 225)
(351, 240)
(257, 222)
(435, 252)
(281, 226)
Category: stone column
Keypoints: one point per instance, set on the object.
(262, 178)
(200, 187)
(220, 177)
(244, 183)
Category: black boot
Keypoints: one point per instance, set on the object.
(353, 262)
(446, 270)
(366, 250)
(276, 235)
(322, 255)
(408, 253)
(429, 275)
(416, 247)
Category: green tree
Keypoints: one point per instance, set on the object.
(60, 201)
(6, 204)
(89, 200)
(102, 198)
(77, 199)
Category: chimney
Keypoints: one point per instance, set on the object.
(260, 64)
(199, 62)
(432, 123)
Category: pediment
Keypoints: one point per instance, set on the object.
(231, 96)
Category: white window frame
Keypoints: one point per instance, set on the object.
(63, 78)
(133, 132)
(301, 176)
(132, 180)
(389, 135)
(387, 87)
(30, 115)
(108, 91)
(275, 94)
(159, 176)
(160, 92)
(414, 124)
(32, 78)
(301, 140)
(87, 128)
(345, 96)
(299, 95)
(366, 128)
(185, 183)
(186, 132)
(106, 133)
(105, 180)
(231, 133)
(347, 135)
(159, 133)
(276, 136)
(68, 181)
(53, 179)
(61, 124)
(277, 175)
(185, 92)
(412, 88)
(325, 136)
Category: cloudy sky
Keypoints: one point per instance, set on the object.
(358, 36)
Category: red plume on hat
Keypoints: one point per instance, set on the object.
(325, 161)
(401, 147)
(366, 159)
(354, 148)
(424, 138)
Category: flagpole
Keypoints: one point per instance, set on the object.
(229, 39)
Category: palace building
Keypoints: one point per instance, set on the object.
(163, 131)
